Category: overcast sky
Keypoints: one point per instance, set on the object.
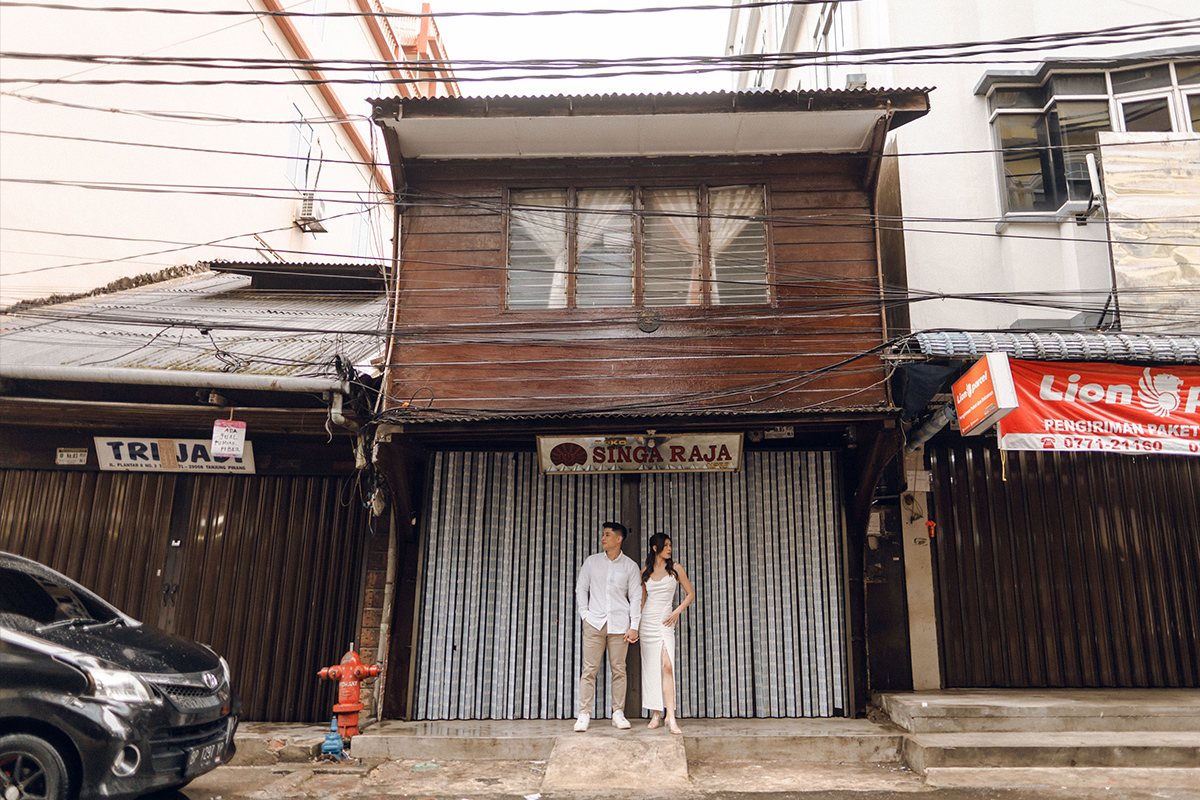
(678, 33)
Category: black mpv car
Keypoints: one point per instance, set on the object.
(95, 704)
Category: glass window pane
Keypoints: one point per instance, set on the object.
(1075, 123)
(1187, 73)
(1147, 115)
(737, 245)
(1079, 83)
(1194, 108)
(1032, 97)
(1028, 169)
(604, 247)
(1136, 80)
(671, 248)
(537, 250)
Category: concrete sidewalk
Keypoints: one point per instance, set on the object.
(1124, 740)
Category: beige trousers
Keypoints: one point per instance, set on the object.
(594, 643)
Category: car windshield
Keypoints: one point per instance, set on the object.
(29, 601)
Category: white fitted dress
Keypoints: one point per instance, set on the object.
(657, 640)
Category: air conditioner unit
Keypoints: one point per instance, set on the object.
(311, 211)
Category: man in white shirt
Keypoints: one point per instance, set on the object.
(608, 594)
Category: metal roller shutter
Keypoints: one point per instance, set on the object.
(1067, 569)
(766, 635)
(498, 634)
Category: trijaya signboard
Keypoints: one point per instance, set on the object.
(1112, 408)
(984, 394)
(168, 455)
(702, 452)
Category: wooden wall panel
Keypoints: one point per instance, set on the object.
(457, 342)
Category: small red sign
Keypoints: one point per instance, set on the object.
(984, 394)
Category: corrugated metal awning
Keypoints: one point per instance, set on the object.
(1054, 346)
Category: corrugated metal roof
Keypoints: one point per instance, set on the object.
(201, 323)
(1058, 346)
(873, 91)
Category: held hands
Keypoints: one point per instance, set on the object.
(631, 636)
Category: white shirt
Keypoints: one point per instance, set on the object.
(609, 592)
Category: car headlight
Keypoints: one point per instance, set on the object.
(224, 670)
(118, 685)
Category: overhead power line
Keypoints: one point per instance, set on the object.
(953, 52)
(556, 12)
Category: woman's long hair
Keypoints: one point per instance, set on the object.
(657, 541)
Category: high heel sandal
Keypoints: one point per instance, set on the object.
(655, 721)
(673, 727)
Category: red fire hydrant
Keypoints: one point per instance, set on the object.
(348, 674)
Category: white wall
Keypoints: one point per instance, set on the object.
(99, 234)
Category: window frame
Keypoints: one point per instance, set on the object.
(1175, 93)
(637, 252)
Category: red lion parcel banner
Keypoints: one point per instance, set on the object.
(1107, 407)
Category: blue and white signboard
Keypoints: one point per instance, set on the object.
(168, 455)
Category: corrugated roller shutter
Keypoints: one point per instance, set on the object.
(1067, 569)
(499, 637)
(766, 635)
(498, 633)
(107, 530)
(271, 580)
(269, 567)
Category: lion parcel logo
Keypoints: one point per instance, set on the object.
(1159, 394)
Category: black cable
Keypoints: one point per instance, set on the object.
(406, 14)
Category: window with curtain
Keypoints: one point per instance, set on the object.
(580, 248)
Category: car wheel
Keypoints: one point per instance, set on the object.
(31, 768)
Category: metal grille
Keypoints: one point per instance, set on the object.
(107, 530)
(1079, 570)
(499, 637)
(765, 637)
(498, 634)
(270, 571)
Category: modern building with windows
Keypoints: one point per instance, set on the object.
(1046, 209)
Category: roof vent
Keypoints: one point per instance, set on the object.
(308, 218)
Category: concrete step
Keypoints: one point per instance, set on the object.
(1064, 778)
(601, 764)
(1128, 749)
(1051, 710)
(833, 741)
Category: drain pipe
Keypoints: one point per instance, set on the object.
(940, 419)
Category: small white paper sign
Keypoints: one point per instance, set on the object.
(71, 456)
(229, 438)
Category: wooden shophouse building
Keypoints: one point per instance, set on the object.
(665, 310)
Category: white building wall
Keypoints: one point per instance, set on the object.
(76, 215)
(957, 240)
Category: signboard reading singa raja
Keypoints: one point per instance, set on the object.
(683, 452)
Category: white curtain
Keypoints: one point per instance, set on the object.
(683, 209)
(547, 227)
(729, 209)
(616, 229)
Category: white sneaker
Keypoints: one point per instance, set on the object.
(581, 722)
(619, 721)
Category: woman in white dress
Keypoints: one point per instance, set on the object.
(660, 578)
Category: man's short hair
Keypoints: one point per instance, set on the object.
(615, 527)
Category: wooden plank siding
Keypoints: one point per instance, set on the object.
(458, 344)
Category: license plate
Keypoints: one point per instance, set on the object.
(203, 758)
